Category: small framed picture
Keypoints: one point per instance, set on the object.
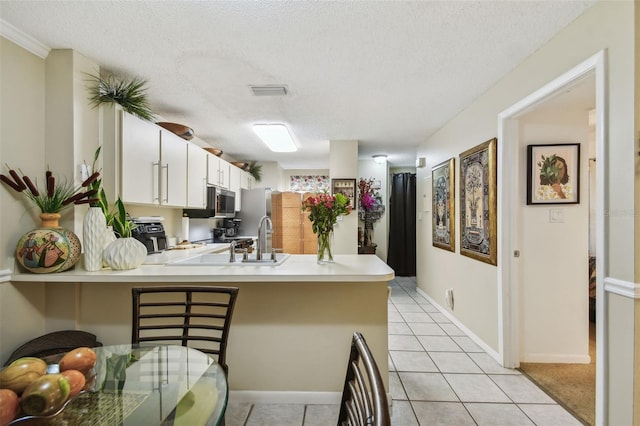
(346, 187)
(553, 174)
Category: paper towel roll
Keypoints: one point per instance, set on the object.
(185, 229)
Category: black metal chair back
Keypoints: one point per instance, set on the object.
(364, 400)
(198, 317)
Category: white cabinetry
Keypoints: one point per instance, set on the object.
(197, 177)
(173, 169)
(142, 163)
(139, 148)
(234, 184)
(217, 171)
(247, 181)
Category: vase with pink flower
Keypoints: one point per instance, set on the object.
(324, 210)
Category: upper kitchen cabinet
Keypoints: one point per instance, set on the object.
(142, 163)
(234, 184)
(197, 177)
(247, 181)
(173, 169)
(217, 171)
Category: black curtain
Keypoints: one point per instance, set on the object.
(402, 225)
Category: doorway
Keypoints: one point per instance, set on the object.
(523, 315)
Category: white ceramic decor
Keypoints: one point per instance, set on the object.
(93, 233)
(109, 237)
(125, 253)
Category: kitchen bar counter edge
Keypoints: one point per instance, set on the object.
(298, 268)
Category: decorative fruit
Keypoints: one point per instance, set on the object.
(21, 372)
(8, 406)
(46, 395)
(82, 359)
(76, 381)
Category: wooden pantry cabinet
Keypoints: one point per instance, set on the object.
(291, 227)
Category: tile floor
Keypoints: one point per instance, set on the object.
(438, 376)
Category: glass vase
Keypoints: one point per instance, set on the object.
(325, 247)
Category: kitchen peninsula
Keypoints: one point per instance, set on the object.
(291, 328)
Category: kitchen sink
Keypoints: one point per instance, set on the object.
(222, 259)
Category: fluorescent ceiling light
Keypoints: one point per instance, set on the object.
(380, 158)
(276, 137)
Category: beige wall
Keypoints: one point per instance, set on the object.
(343, 164)
(607, 25)
(22, 136)
(554, 274)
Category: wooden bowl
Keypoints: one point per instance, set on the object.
(181, 130)
(215, 151)
(242, 165)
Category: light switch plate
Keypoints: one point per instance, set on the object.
(556, 215)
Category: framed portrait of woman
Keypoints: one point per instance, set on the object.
(553, 174)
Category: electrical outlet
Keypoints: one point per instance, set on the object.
(84, 172)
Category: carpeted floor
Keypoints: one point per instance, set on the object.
(572, 385)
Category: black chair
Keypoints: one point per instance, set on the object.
(364, 400)
(197, 317)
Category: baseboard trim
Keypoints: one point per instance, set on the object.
(556, 359)
(285, 397)
(622, 288)
(478, 341)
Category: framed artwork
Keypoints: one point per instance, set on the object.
(553, 174)
(478, 216)
(346, 187)
(443, 205)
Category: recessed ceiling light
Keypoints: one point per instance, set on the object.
(380, 158)
(276, 137)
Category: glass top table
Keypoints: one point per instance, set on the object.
(144, 385)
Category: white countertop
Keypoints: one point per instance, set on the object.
(297, 268)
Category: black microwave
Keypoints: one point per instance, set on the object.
(220, 203)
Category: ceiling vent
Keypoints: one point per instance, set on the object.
(269, 90)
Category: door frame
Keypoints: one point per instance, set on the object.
(510, 178)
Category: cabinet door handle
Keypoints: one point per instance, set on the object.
(204, 193)
(166, 181)
(155, 186)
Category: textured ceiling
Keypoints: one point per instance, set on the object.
(385, 73)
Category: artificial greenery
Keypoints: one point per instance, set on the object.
(55, 196)
(129, 93)
(255, 170)
(122, 226)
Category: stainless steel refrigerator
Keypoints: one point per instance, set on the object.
(255, 203)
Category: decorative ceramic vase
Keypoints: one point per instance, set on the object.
(109, 237)
(93, 233)
(325, 247)
(49, 248)
(125, 253)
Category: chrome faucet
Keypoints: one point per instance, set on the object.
(262, 235)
